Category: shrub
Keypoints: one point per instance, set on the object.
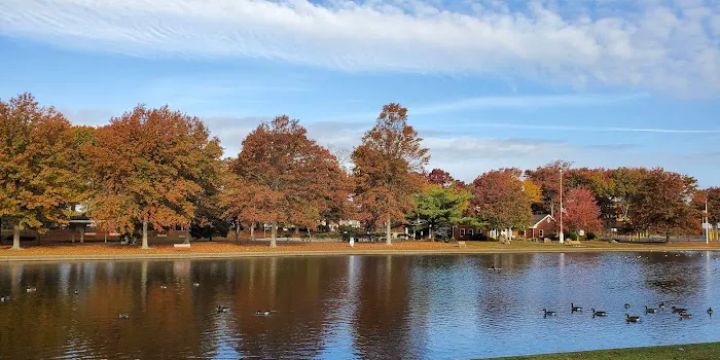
(572, 236)
(591, 236)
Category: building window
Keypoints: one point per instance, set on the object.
(470, 232)
(542, 233)
(462, 232)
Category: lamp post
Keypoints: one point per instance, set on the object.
(562, 234)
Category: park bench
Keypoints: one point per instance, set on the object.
(181, 246)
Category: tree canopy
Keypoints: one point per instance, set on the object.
(40, 163)
(289, 178)
(500, 201)
(150, 167)
(387, 169)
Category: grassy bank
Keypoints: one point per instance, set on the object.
(679, 352)
(227, 249)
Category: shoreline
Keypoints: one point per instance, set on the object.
(690, 351)
(112, 252)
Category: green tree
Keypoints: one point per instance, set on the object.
(387, 169)
(40, 177)
(441, 207)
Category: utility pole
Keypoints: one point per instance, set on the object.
(562, 234)
(707, 222)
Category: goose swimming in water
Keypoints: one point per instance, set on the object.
(163, 286)
(631, 318)
(221, 309)
(709, 311)
(30, 289)
(262, 313)
(677, 310)
(196, 284)
(627, 306)
(661, 305)
(649, 310)
(4, 298)
(599, 313)
(123, 316)
(548, 313)
(574, 308)
(684, 315)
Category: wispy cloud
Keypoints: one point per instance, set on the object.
(609, 129)
(668, 46)
(523, 101)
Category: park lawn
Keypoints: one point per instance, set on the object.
(680, 352)
(89, 249)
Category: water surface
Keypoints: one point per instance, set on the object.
(432, 307)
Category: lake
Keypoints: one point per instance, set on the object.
(434, 307)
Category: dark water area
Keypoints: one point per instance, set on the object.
(377, 307)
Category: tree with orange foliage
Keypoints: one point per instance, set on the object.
(150, 167)
(284, 178)
(500, 201)
(582, 211)
(40, 177)
(661, 203)
(387, 169)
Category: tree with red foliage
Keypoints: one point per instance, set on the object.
(582, 211)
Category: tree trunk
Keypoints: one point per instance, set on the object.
(432, 234)
(252, 232)
(82, 235)
(388, 233)
(145, 235)
(237, 231)
(187, 236)
(106, 235)
(273, 235)
(16, 237)
(309, 235)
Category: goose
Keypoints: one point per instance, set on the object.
(709, 311)
(262, 313)
(123, 316)
(30, 289)
(574, 308)
(600, 313)
(76, 292)
(684, 315)
(549, 313)
(196, 284)
(661, 305)
(5, 298)
(627, 306)
(677, 310)
(163, 286)
(221, 309)
(493, 268)
(649, 310)
(631, 318)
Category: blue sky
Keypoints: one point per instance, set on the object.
(489, 84)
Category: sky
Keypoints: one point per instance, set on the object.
(488, 83)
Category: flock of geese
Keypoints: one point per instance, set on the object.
(220, 309)
(681, 312)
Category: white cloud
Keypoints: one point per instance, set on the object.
(661, 46)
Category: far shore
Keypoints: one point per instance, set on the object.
(219, 250)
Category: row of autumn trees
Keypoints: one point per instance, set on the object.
(158, 168)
